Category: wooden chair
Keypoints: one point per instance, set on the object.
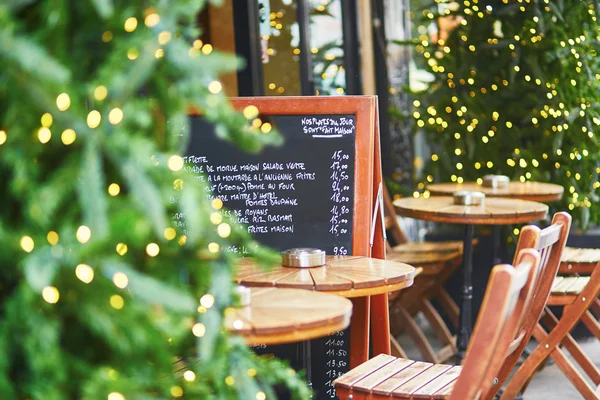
(577, 295)
(438, 261)
(506, 302)
(550, 242)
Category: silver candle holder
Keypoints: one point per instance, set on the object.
(496, 181)
(465, 198)
(303, 258)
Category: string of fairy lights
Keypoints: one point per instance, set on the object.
(436, 50)
(175, 163)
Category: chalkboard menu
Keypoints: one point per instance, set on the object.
(313, 191)
(298, 195)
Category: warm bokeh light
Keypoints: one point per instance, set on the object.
(84, 273)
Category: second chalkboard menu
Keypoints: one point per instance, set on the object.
(313, 191)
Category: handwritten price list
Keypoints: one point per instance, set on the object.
(337, 361)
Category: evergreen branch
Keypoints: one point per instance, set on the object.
(91, 190)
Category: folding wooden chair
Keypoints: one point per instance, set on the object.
(577, 295)
(506, 302)
(438, 260)
(550, 242)
(581, 262)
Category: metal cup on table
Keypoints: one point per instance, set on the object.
(465, 198)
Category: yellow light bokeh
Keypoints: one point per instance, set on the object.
(261, 396)
(182, 240)
(224, 230)
(68, 136)
(250, 112)
(229, 381)
(130, 24)
(50, 294)
(251, 372)
(46, 120)
(100, 93)
(215, 87)
(217, 204)
(189, 376)
(152, 20)
(115, 396)
(164, 37)
(114, 189)
(170, 233)
(198, 329)
(2, 137)
(214, 247)
(115, 116)
(120, 280)
(176, 391)
(117, 301)
(83, 234)
(152, 249)
(207, 301)
(207, 49)
(93, 119)
(107, 36)
(266, 127)
(121, 249)
(216, 218)
(44, 135)
(84, 273)
(52, 238)
(133, 53)
(175, 163)
(27, 244)
(63, 101)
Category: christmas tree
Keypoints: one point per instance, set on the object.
(515, 92)
(105, 292)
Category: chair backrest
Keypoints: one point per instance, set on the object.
(550, 242)
(506, 301)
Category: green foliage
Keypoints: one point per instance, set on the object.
(515, 92)
(122, 323)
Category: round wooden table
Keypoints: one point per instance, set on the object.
(353, 277)
(493, 211)
(348, 276)
(278, 316)
(534, 191)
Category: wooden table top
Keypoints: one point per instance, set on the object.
(494, 210)
(348, 276)
(278, 316)
(534, 191)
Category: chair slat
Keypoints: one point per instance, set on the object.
(383, 373)
(563, 286)
(385, 388)
(580, 255)
(427, 391)
(427, 376)
(549, 236)
(363, 370)
(557, 281)
(446, 391)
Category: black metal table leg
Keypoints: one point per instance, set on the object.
(465, 322)
(307, 362)
(496, 245)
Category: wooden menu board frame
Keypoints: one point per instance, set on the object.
(363, 107)
(370, 313)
